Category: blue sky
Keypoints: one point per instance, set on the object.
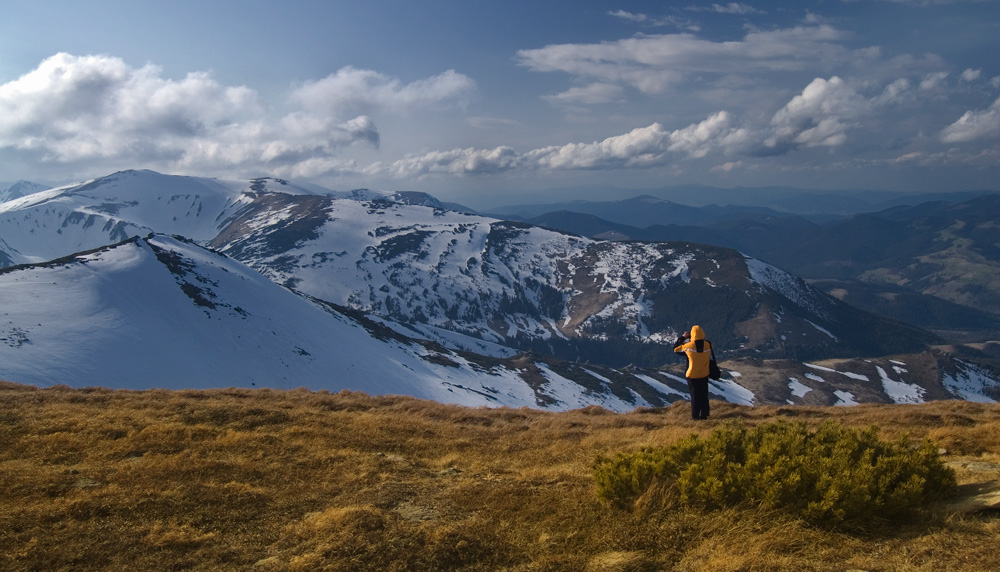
(481, 102)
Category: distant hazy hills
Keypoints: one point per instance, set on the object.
(935, 264)
(789, 200)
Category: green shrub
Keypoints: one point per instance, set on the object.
(833, 476)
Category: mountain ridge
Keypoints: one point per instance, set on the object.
(789, 200)
(473, 283)
(186, 317)
(939, 249)
(520, 285)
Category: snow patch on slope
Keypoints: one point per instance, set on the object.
(969, 383)
(731, 391)
(844, 398)
(900, 391)
(664, 388)
(852, 375)
(797, 388)
(784, 283)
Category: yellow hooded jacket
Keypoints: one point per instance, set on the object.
(697, 360)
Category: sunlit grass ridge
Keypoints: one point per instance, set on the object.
(294, 480)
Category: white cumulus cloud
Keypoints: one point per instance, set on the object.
(819, 116)
(72, 108)
(971, 74)
(98, 110)
(974, 125)
(643, 147)
(716, 132)
(454, 162)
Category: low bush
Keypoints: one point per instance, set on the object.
(834, 476)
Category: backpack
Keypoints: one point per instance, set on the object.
(713, 368)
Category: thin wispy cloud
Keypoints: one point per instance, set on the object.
(934, 80)
(646, 20)
(625, 15)
(593, 94)
(927, 2)
(352, 90)
(654, 63)
(730, 8)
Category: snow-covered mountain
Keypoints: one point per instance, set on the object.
(64, 220)
(531, 288)
(19, 189)
(162, 312)
(36, 226)
(401, 265)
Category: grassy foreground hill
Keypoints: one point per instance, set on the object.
(263, 480)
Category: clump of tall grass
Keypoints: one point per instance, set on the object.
(833, 476)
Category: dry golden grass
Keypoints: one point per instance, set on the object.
(299, 481)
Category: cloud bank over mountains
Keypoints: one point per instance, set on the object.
(808, 96)
(76, 109)
(824, 114)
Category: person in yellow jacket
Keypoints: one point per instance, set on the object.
(699, 353)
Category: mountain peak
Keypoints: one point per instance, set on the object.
(20, 189)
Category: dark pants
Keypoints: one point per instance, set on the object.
(699, 397)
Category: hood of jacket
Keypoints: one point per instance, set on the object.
(697, 333)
